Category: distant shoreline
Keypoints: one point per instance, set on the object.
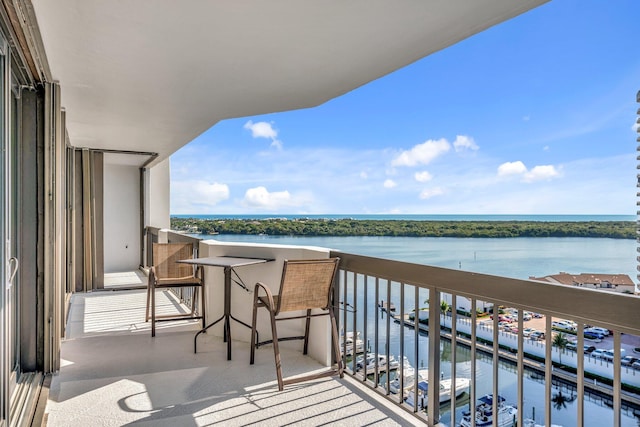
(423, 217)
(405, 228)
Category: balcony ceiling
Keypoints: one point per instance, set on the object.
(151, 75)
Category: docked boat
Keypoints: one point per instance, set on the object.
(383, 364)
(352, 344)
(350, 335)
(409, 378)
(387, 306)
(484, 416)
(531, 423)
(446, 391)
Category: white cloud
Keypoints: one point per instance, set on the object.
(540, 173)
(389, 183)
(635, 127)
(537, 173)
(264, 130)
(423, 176)
(261, 198)
(512, 168)
(197, 196)
(422, 154)
(261, 130)
(464, 142)
(428, 193)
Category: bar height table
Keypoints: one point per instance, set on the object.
(228, 263)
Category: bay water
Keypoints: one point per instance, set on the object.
(520, 257)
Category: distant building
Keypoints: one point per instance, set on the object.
(607, 282)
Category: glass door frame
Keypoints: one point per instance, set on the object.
(7, 290)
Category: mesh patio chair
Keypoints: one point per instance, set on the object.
(167, 273)
(305, 285)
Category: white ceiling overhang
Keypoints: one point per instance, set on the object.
(151, 75)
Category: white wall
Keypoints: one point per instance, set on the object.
(121, 218)
(157, 203)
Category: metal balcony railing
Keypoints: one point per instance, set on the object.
(442, 324)
(368, 286)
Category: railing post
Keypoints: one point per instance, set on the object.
(433, 397)
(617, 382)
(548, 370)
(472, 390)
(580, 375)
(454, 351)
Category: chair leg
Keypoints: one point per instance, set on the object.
(146, 318)
(153, 311)
(253, 328)
(306, 332)
(203, 306)
(203, 299)
(336, 343)
(194, 299)
(276, 350)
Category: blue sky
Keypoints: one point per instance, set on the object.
(533, 116)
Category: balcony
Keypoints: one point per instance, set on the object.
(114, 373)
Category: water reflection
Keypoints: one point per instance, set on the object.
(560, 400)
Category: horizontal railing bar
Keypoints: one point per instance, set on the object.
(607, 309)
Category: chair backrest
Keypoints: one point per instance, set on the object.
(165, 256)
(306, 284)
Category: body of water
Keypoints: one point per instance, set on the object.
(510, 257)
(520, 257)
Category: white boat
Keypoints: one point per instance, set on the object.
(370, 363)
(531, 423)
(409, 378)
(359, 346)
(462, 385)
(350, 335)
(484, 413)
(351, 338)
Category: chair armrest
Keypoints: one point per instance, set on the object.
(267, 291)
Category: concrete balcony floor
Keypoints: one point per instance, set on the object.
(114, 374)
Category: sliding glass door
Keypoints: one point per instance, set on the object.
(9, 205)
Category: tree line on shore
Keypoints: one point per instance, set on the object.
(405, 228)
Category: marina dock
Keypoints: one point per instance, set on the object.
(591, 385)
(386, 306)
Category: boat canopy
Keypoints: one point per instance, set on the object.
(488, 399)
